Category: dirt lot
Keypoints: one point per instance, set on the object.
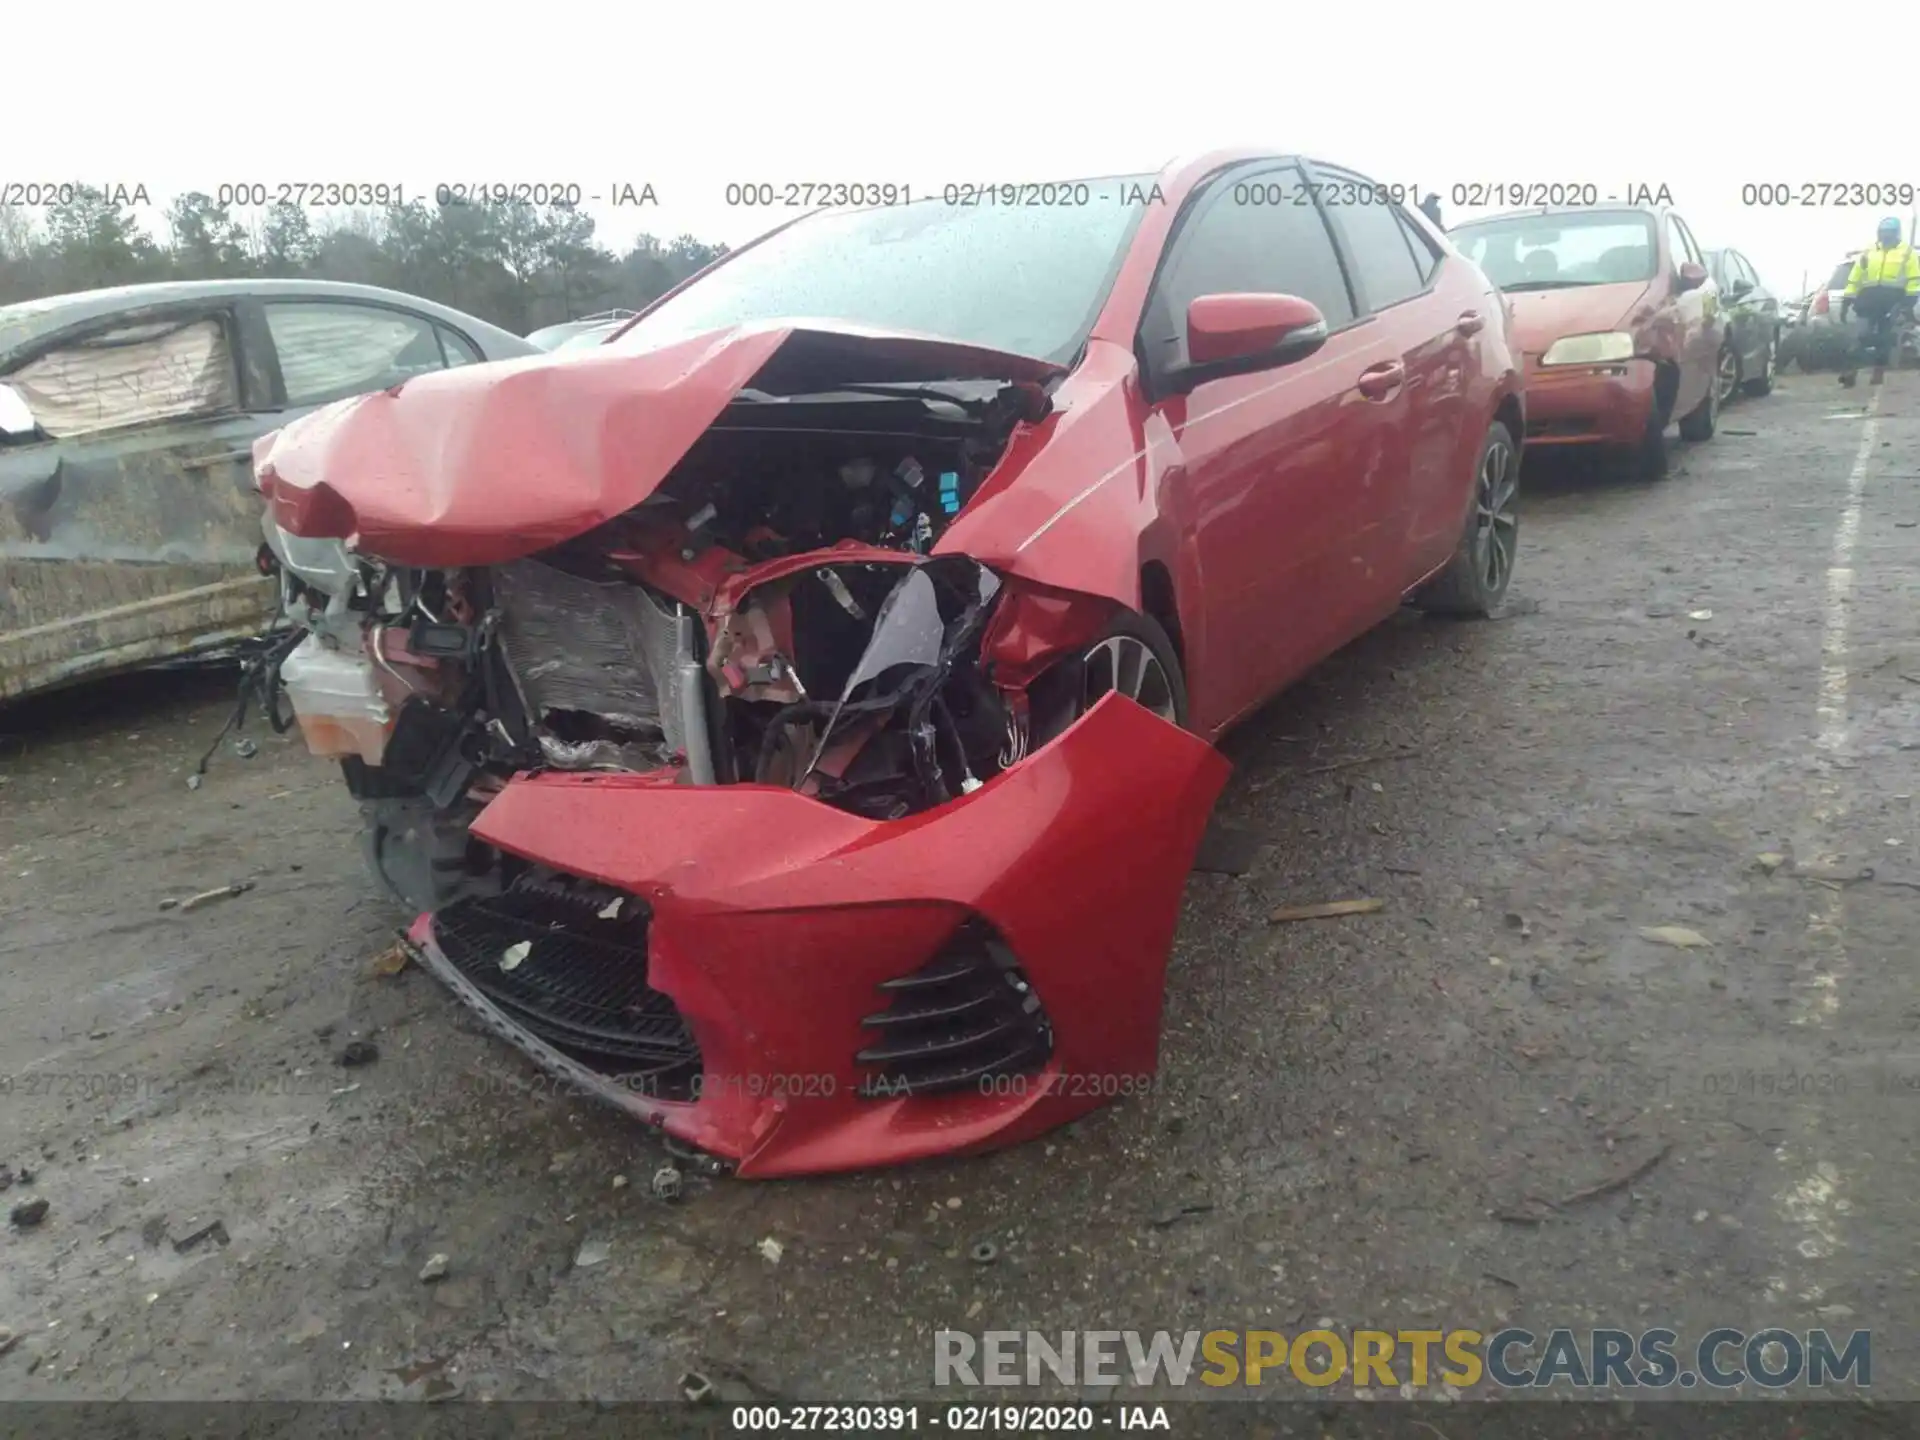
(1350, 1107)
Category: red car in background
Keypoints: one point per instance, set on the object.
(1619, 322)
(792, 717)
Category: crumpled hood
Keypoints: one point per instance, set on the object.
(488, 463)
(1541, 317)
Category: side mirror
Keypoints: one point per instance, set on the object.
(1691, 277)
(16, 420)
(1240, 334)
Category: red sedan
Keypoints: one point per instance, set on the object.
(792, 718)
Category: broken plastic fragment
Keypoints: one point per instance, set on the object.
(611, 910)
(772, 1249)
(515, 953)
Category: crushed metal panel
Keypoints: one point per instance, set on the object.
(600, 648)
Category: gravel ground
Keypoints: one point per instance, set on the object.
(1359, 1119)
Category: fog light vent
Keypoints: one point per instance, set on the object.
(956, 1023)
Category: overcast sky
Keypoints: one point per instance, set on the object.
(688, 99)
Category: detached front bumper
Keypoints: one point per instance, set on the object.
(778, 928)
(1589, 404)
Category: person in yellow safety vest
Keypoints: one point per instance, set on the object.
(1884, 282)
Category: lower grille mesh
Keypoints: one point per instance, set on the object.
(966, 1017)
(568, 961)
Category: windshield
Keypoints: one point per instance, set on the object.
(1026, 279)
(1548, 252)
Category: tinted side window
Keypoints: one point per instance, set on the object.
(1247, 234)
(1376, 239)
(328, 352)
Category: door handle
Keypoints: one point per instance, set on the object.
(1380, 381)
(1471, 323)
(207, 462)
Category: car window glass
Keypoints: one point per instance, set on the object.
(132, 375)
(1377, 240)
(1684, 251)
(1748, 273)
(1246, 236)
(1425, 258)
(328, 352)
(459, 349)
(1552, 251)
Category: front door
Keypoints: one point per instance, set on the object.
(1284, 475)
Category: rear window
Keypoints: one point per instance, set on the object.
(1550, 251)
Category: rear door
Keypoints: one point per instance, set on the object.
(1395, 271)
(128, 522)
(1288, 476)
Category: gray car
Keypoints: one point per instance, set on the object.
(129, 525)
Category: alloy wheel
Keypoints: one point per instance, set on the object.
(1122, 664)
(1727, 377)
(1496, 517)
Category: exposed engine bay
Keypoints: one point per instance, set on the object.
(770, 614)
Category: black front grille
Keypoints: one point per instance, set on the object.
(966, 1017)
(567, 959)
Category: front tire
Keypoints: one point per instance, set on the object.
(1726, 375)
(1134, 656)
(1476, 578)
(1700, 422)
(1762, 384)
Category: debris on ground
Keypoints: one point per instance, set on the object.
(592, 1252)
(207, 897)
(435, 1269)
(1699, 614)
(358, 1052)
(666, 1183)
(772, 1250)
(216, 1232)
(1677, 936)
(1326, 911)
(984, 1252)
(193, 782)
(153, 1231)
(1543, 1209)
(390, 961)
(246, 749)
(1175, 1213)
(8, 1338)
(28, 1213)
(619, 1182)
(696, 1387)
(1770, 861)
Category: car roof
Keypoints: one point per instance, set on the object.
(28, 320)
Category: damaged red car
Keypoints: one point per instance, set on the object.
(792, 719)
